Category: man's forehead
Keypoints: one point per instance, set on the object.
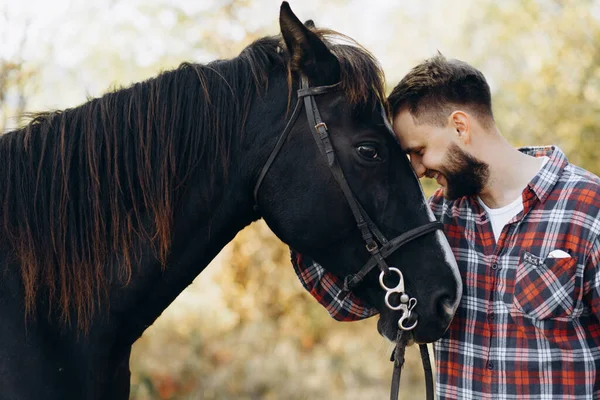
(405, 118)
(404, 129)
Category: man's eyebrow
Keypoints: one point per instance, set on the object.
(409, 150)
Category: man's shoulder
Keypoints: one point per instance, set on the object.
(579, 191)
(580, 177)
(580, 185)
(569, 175)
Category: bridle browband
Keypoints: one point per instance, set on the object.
(375, 242)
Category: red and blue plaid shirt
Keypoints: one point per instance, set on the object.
(326, 288)
(528, 326)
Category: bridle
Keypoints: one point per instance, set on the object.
(375, 242)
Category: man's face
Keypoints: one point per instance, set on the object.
(434, 152)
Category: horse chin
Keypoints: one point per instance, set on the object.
(389, 330)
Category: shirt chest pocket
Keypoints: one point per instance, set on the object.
(546, 290)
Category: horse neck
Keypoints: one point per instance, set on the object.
(230, 204)
(206, 223)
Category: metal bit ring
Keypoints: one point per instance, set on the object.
(399, 287)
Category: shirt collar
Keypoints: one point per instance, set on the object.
(547, 177)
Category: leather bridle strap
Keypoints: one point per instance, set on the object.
(304, 90)
(398, 359)
(428, 371)
(321, 136)
(275, 152)
(393, 245)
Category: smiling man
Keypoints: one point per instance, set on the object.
(524, 225)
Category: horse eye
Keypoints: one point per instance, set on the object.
(368, 152)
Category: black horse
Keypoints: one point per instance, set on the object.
(110, 209)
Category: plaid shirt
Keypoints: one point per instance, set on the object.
(326, 288)
(528, 326)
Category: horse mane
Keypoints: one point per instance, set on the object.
(80, 187)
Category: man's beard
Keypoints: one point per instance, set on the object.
(466, 176)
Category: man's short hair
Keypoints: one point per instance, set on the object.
(435, 88)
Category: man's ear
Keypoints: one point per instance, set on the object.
(308, 52)
(461, 123)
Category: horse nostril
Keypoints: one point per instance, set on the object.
(446, 306)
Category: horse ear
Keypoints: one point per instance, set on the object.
(308, 52)
(310, 24)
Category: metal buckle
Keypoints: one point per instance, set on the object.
(372, 246)
(320, 125)
(347, 280)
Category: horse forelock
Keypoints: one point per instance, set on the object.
(362, 77)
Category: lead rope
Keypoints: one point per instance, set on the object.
(398, 358)
(427, 369)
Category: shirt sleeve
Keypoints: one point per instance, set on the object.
(591, 282)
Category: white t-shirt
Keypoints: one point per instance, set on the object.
(500, 216)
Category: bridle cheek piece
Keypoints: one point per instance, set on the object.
(375, 242)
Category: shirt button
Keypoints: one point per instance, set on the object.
(494, 266)
(491, 316)
(490, 365)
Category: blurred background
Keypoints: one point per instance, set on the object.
(245, 329)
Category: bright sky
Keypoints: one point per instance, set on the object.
(46, 18)
(399, 33)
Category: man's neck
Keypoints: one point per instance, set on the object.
(510, 172)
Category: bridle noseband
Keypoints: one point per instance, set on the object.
(375, 242)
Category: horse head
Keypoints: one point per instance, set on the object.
(309, 206)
